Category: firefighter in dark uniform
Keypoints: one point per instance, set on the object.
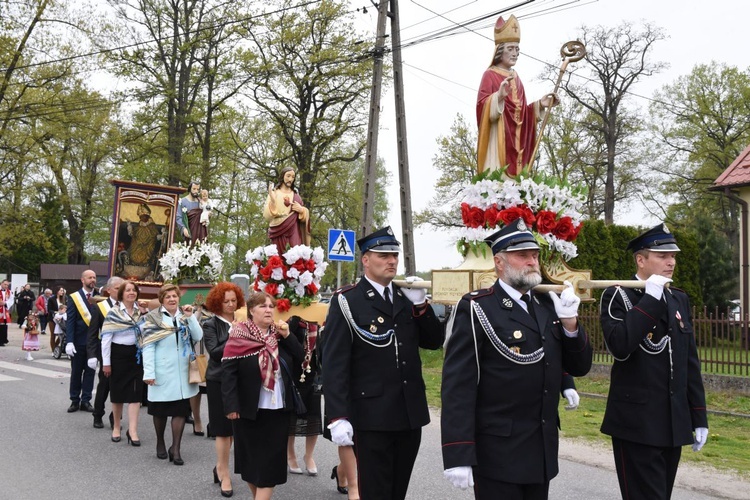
(656, 398)
(372, 373)
(502, 376)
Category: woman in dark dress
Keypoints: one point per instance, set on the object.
(222, 301)
(310, 425)
(257, 390)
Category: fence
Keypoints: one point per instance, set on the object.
(722, 339)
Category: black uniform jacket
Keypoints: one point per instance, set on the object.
(76, 330)
(648, 402)
(377, 385)
(498, 415)
(93, 341)
(215, 336)
(241, 384)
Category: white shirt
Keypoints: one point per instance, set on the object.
(273, 400)
(516, 295)
(381, 289)
(122, 338)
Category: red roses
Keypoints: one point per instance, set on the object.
(544, 221)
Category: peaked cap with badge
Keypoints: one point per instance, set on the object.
(512, 238)
(381, 241)
(656, 239)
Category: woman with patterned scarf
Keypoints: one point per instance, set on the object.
(169, 333)
(260, 359)
(121, 361)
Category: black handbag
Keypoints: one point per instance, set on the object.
(299, 405)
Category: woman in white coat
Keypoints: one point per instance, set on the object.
(166, 343)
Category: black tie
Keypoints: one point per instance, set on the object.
(387, 296)
(526, 297)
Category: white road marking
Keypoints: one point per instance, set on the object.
(25, 368)
(58, 363)
(5, 378)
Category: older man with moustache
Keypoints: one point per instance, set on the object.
(502, 376)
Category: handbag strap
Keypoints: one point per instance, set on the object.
(286, 369)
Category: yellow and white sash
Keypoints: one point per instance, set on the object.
(82, 307)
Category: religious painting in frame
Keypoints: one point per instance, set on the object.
(143, 226)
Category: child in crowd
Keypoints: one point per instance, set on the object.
(60, 319)
(206, 206)
(30, 329)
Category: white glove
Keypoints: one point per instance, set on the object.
(566, 306)
(701, 435)
(655, 285)
(460, 477)
(92, 363)
(342, 433)
(416, 295)
(573, 398)
(70, 349)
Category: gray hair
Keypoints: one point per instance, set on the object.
(112, 282)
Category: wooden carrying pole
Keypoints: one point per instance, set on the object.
(580, 285)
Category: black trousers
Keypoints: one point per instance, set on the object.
(645, 472)
(81, 377)
(486, 488)
(385, 461)
(3, 333)
(102, 393)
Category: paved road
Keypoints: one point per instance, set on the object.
(46, 453)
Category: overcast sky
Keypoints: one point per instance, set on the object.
(441, 76)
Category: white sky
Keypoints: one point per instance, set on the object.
(698, 32)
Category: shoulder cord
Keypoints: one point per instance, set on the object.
(504, 350)
(364, 335)
(646, 345)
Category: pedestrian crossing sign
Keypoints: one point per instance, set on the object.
(341, 245)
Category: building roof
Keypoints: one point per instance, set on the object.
(737, 174)
(51, 272)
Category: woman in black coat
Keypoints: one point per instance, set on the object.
(222, 301)
(257, 387)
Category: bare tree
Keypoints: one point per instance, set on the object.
(617, 59)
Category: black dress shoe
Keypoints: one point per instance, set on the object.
(73, 407)
(98, 424)
(87, 407)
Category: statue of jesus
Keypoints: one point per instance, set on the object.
(288, 218)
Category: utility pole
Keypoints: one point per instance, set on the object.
(371, 155)
(403, 149)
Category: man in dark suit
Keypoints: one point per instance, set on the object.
(502, 376)
(656, 399)
(372, 381)
(79, 318)
(94, 347)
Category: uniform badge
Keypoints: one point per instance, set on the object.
(517, 334)
(665, 228)
(380, 319)
(679, 318)
(373, 328)
(650, 335)
(521, 225)
(370, 293)
(516, 349)
(507, 303)
(390, 231)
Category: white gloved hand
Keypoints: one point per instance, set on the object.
(566, 305)
(70, 349)
(655, 285)
(416, 295)
(701, 435)
(342, 432)
(573, 398)
(92, 363)
(460, 477)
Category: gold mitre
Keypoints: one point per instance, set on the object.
(509, 31)
(143, 209)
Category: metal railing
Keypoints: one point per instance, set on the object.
(722, 339)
